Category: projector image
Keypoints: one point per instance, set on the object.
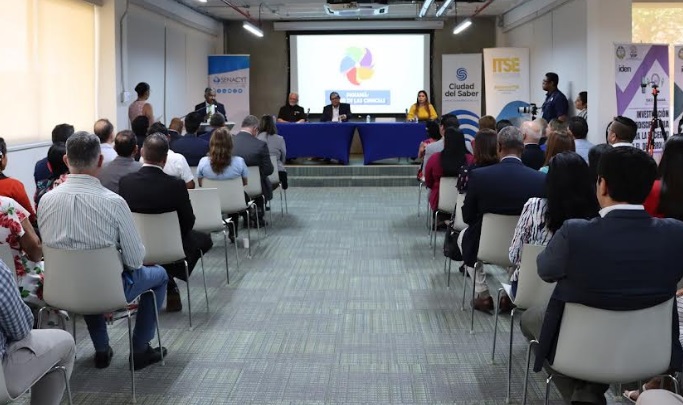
(345, 8)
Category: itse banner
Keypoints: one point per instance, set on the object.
(506, 76)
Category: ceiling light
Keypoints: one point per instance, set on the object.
(253, 29)
(443, 7)
(202, 1)
(425, 8)
(462, 26)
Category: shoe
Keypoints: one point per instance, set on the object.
(149, 356)
(505, 305)
(483, 304)
(173, 303)
(103, 359)
(461, 269)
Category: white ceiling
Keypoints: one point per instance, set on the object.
(313, 10)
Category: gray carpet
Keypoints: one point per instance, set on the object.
(342, 303)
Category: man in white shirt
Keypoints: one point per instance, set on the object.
(622, 131)
(105, 131)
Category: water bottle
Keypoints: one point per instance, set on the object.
(367, 118)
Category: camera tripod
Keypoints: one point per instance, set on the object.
(656, 122)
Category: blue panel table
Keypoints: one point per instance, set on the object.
(331, 140)
(383, 140)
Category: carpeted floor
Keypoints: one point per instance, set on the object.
(342, 303)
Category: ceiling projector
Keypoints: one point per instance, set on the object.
(342, 8)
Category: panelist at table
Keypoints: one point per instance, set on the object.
(209, 105)
(423, 110)
(336, 111)
(292, 111)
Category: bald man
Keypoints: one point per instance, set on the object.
(105, 132)
(532, 156)
(292, 111)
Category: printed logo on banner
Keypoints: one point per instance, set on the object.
(634, 51)
(621, 52)
(461, 74)
(357, 65)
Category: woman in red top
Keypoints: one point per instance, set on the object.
(13, 188)
(666, 196)
(447, 163)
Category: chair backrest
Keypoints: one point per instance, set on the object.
(385, 119)
(496, 236)
(7, 257)
(5, 397)
(161, 236)
(606, 347)
(206, 205)
(459, 222)
(448, 194)
(274, 176)
(83, 281)
(253, 187)
(531, 290)
(230, 193)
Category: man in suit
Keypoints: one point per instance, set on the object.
(151, 191)
(209, 103)
(217, 121)
(336, 111)
(60, 134)
(502, 188)
(532, 156)
(190, 145)
(621, 261)
(126, 148)
(175, 129)
(622, 131)
(255, 153)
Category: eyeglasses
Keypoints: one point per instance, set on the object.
(334, 98)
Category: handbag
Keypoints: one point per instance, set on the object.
(450, 243)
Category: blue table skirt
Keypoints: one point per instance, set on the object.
(333, 139)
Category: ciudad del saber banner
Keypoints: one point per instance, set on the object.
(461, 90)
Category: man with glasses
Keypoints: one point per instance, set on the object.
(622, 131)
(555, 105)
(336, 111)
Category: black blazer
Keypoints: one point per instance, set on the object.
(201, 109)
(502, 188)
(533, 156)
(255, 153)
(151, 191)
(344, 108)
(622, 262)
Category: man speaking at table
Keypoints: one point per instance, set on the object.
(210, 101)
(336, 111)
(292, 111)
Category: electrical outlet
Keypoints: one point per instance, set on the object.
(125, 96)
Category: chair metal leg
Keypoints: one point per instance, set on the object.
(237, 255)
(448, 280)
(477, 267)
(286, 207)
(156, 319)
(270, 215)
(189, 302)
(39, 322)
(132, 357)
(225, 244)
(419, 198)
(206, 292)
(464, 290)
(62, 370)
(526, 372)
(249, 234)
(547, 389)
(495, 327)
(512, 334)
(73, 327)
(433, 234)
(282, 207)
(265, 228)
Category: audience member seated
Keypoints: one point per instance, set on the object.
(447, 163)
(570, 193)
(60, 134)
(255, 153)
(175, 129)
(151, 191)
(485, 153)
(581, 105)
(532, 156)
(217, 121)
(600, 262)
(502, 188)
(105, 131)
(276, 146)
(58, 172)
(503, 124)
(433, 134)
(176, 165)
(621, 131)
(578, 128)
(544, 127)
(11, 187)
(422, 110)
(554, 125)
(82, 214)
(447, 121)
(126, 148)
(594, 156)
(558, 142)
(28, 354)
(139, 126)
(487, 122)
(292, 111)
(190, 146)
(222, 165)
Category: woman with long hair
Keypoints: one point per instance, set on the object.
(484, 152)
(276, 146)
(558, 142)
(570, 193)
(423, 110)
(141, 106)
(446, 163)
(433, 135)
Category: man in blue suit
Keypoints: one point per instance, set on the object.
(623, 260)
(502, 188)
(336, 111)
(191, 146)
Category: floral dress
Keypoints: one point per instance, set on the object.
(29, 273)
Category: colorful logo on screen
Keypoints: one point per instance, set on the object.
(357, 65)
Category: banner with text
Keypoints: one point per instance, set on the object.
(678, 89)
(461, 90)
(506, 78)
(229, 75)
(638, 68)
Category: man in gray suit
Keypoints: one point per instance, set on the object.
(126, 148)
(255, 153)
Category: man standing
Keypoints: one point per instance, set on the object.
(336, 111)
(503, 189)
(600, 262)
(532, 156)
(60, 134)
(292, 111)
(126, 148)
(105, 131)
(555, 105)
(210, 105)
(622, 132)
(82, 214)
(151, 191)
(190, 146)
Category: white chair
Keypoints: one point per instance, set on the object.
(494, 244)
(459, 225)
(448, 197)
(254, 191)
(160, 234)
(275, 182)
(6, 398)
(587, 350)
(231, 195)
(206, 205)
(7, 257)
(88, 282)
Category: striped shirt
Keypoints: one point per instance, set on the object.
(16, 319)
(81, 214)
(530, 228)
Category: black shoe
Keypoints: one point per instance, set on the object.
(149, 356)
(103, 358)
